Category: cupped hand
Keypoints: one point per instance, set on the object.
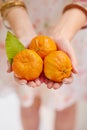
(35, 83)
(64, 45)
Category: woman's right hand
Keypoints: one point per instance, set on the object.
(23, 29)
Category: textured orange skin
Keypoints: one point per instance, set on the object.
(57, 66)
(43, 45)
(27, 65)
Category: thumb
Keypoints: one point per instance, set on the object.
(65, 46)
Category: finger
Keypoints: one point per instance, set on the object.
(57, 85)
(50, 85)
(32, 84)
(68, 80)
(67, 48)
(22, 82)
(38, 82)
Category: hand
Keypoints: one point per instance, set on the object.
(25, 41)
(65, 46)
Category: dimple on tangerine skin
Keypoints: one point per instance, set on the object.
(57, 66)
(27, 65)
(43, 45)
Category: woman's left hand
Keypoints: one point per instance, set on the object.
(65, 46)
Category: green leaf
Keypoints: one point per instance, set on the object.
(12, 46)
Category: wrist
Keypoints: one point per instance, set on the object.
(15, 13)
(18, 18)
(59, 32)
(69, 24)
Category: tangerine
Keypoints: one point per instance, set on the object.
(27, 65)
(57, 66)
(43, 45)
